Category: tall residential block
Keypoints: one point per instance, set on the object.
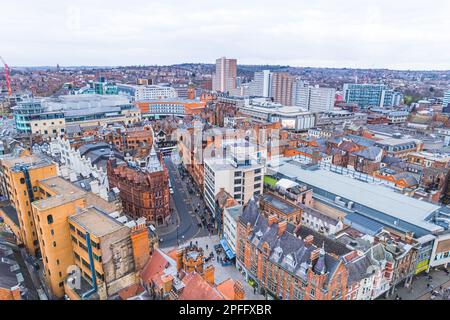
(261, 86)
(314, 99)
(282, 88)
(224, 80)
(370, 95)
(446, 102)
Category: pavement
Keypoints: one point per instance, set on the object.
(419, 289)
(222, 273)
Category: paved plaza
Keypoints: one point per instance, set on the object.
(422, 287)
(222, 272)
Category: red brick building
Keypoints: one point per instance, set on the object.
(131, 138)
(287, 264)
(144, 192)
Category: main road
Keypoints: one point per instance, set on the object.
(188, 224)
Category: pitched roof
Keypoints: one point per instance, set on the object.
(226, 289)
(158, 264)
(197, 288)
(369, 153)
(131, 291)
(359, 269)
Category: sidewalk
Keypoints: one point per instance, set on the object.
(174, 221)
(419, 290)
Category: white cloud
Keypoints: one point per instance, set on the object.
(404, 34)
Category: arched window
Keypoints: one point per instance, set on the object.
(50, 219)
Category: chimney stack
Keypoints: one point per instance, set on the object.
(282, 228)
(179, 259)
(167, 282)
(272, 219)
(208, 275)
(239, 293)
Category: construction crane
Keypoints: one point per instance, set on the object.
(8, 82)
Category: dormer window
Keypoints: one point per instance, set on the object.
(278, 252)
(259, 235)
(290, 260)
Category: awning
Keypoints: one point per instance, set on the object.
(227, 249)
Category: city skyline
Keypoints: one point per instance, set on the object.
(262, 32)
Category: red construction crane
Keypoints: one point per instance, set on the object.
(8, 82)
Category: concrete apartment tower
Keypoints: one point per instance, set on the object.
(224, 80)
(282, 87)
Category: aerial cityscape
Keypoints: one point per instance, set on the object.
(219, 179)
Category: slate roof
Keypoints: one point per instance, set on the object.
(369, 153)
(359, 269)
(408, 177)
(288, 250)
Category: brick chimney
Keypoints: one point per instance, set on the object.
(309, 240)
(141, 245)
(208, 274)
(272, 219)
(409, 237)
(179, 259)
(239, 293)
(282, 228)
(167, 282)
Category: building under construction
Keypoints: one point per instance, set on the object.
(144, 191)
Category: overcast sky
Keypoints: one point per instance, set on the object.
(396, 34)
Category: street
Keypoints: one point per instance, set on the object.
(188, 227)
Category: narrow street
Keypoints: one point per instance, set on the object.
(188, 223)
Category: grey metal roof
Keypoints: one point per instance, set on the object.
(373, 196)
(359, 222)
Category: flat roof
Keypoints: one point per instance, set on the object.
(96, 222)
(279, 110)
(32, 161)
(65, 192)
(376, 197)
(235, 211)
(279, 203)
(396, 141)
